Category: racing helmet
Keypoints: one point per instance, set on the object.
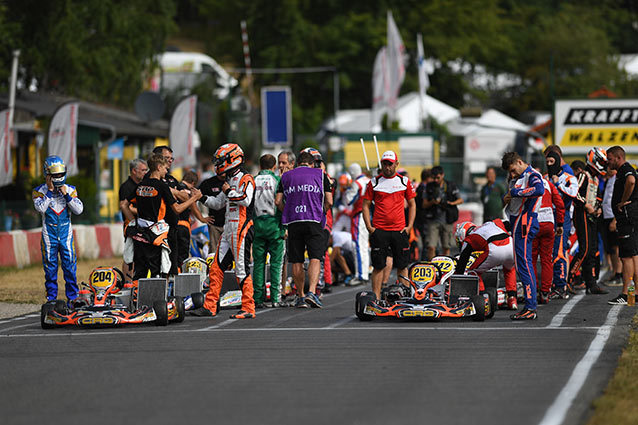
(344, 181)
(597, 160)
(316, 155)
(228, 157)
(462, 230)
(54, 166)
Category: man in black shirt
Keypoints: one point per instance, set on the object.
(624, 203)
(154, 199)
(138, 170)
(213, 187)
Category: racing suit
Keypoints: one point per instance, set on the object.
(493, 239)
(526, 192)
(57, 237)
(567, 186)
(585, 225)
(269, 237)
(235, 241)
(551, 215)
(360, 235)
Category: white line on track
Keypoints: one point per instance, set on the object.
(138, 331)
(557, 320)
(341, 322)
(558, 410)
(17, 327)
(27, 316)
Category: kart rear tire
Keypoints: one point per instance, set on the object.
(44, 310)
(361, 300)
(492, 293)
(479, 306)
(181, 311)
(198, 300)
(60, 307)
(161, 311)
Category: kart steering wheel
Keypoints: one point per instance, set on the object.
(120, 283)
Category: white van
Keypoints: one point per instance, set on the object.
(183, 70)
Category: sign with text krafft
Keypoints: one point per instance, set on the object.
(276, 116)
(583, 124)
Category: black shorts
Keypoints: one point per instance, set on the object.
(627, 238)
(610, 239)
(305, 235)
(388, 243)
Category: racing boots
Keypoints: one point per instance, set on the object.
(202, 312)
(241, 314)
(559, 294)
(524, 314)
(543, 297)
(596, 290)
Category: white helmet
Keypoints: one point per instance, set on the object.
(462, 230)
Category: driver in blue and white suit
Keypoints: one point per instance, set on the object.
(56, 200)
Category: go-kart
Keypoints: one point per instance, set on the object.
(103, 302)
(427, 297)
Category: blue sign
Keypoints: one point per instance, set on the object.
(115, 149)
(276, 116)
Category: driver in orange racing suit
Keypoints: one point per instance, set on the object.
(234, 244)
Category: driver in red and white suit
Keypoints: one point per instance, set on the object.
(236, 239)
(492, 238)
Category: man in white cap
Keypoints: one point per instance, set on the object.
(360, 234)
(389, 232)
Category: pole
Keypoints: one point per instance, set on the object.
(12, 88)
(335, 97)
(365, 155)
(376, 146)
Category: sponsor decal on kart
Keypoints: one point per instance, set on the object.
(417, 313)
(371, 310)
(231, 299)
(97, 321)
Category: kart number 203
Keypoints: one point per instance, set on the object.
(424, 273)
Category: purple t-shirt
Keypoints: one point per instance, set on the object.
(303, 189)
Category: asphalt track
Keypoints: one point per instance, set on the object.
(293, 366)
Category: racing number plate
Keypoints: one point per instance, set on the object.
(472, 259)
(446, 264)
(423, 273)
(102, 278)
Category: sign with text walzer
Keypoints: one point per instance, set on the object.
(276, 116)
(583, 124)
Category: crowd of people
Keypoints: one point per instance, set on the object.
(355, 228)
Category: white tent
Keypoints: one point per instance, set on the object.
(366, 120)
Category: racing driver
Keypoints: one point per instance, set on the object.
(236, 239)
(56, 200)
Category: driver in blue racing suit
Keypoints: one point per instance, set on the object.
(56, 200)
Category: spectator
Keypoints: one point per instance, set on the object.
(563, 178)
(137, 170)
(184, 224)
(551, 215)
(153, 198)
(607, 230)
(56, 200)
(388, 229)
(586, 210)
(286, 162)
(523, 200)
(441, 204)
(234, 245)
(360, 235)
(492, 196)
(420, 220)
(304, 195)
(342, 246)
(625, 206)
(269, 234)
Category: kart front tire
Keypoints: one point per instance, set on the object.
(492, 293)
(161, 312)
(479, 306)
(44, 310)
(361, 300)
(181, 311)
(60, 307)
(198, 300)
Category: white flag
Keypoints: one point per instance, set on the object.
(63, 134)
(6, 166)
(396, 67)
(380, 80)
(424, 81)
(182, 132)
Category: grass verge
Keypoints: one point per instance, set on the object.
(27, 285)
(618, 404)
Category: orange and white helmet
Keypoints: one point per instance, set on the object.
(344, 181)
(597, 159)
(462, 230)
(228, 157)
